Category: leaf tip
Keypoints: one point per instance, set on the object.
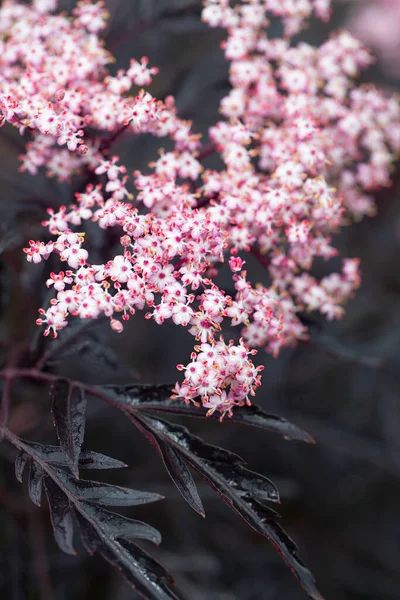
(301, 436)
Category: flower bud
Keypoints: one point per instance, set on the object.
(59, 95)
(116, 325)
(83, 149)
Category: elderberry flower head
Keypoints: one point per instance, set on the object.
(302, 149)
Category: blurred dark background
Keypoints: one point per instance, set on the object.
(340, 498)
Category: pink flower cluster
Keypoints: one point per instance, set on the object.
(302, 148)
(221, 375)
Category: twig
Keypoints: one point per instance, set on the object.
(263, 260)
(107, 143)
(10, 374)
(206, 152)
(206, 200)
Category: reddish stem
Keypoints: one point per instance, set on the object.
(203, 202)
(106, 144)
(262, 259)
(207, 151)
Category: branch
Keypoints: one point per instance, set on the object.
(206, 152)
(107, 143)
(262, 259)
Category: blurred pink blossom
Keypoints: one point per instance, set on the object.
(377, 24)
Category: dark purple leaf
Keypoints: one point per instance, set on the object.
(257, 417)
(87, 459)
(147, 397)
(102, 531)
(69, 412)
(222, 469)
(141, 571)
(120, 527)
(182, 477)
(20, 463)
(61, 516)
(154, 579)
(240, 488)
(95, 460)
(105, 494)
(89, 536)
(35, 482)
(178, 471)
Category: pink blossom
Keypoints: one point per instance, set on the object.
(300, 145)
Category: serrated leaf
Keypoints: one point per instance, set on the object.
(178, 471)
(240, 488)
(255, 416)
(122, 527)
(87, 459)
(20, 463)
(95, 460)
(101, 530)
(223, 469)
(35, 482)
(182, 477)
(104, 493)
(141, 571)
(147, 397)
(61, 516)
(69, 412)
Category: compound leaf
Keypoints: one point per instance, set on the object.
(156, 398)
(242, 489)
(102, 531)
